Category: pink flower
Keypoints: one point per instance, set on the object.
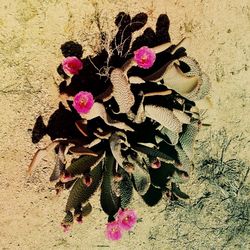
(126, 218)
(83, 102)
(72, 65)
(113, 231)
(144, 57)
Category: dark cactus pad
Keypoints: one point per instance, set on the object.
(71, 48)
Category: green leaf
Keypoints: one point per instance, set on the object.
(86, 210)
(160, 176)
(141, 177)
(153, 152)
(169, 135)
(68, 219)
(126, 190)
(153, 196)
(183, 159)
(169, 150)
(187, 139)
(109, 201)
(84, 164)
(176, 190)
(80, 193)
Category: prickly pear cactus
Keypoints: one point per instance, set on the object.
(130, 129)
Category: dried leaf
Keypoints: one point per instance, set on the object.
(175, 79)
(82, 127)
(115, 146)
(121, 90)
(60, 164)
(163, 116)
(39, 130)
(98, 110)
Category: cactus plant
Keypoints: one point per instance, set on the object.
(139, 132)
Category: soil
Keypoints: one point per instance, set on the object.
(217, 214)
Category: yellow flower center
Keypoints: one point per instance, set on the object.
(144, 58)
(83, 101)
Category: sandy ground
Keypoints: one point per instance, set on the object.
(217, 215)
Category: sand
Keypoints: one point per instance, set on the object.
(217, 214)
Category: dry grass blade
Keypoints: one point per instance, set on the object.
(78, 150)
(60, 163)
(41, 153)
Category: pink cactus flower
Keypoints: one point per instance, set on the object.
(113, 231)
(126, 218)
(144, 57)
(83, 102)
(72, 65)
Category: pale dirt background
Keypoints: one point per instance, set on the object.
(31, 32)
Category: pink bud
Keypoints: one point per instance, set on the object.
(87, 180)
(155, 164)
(66, 227)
